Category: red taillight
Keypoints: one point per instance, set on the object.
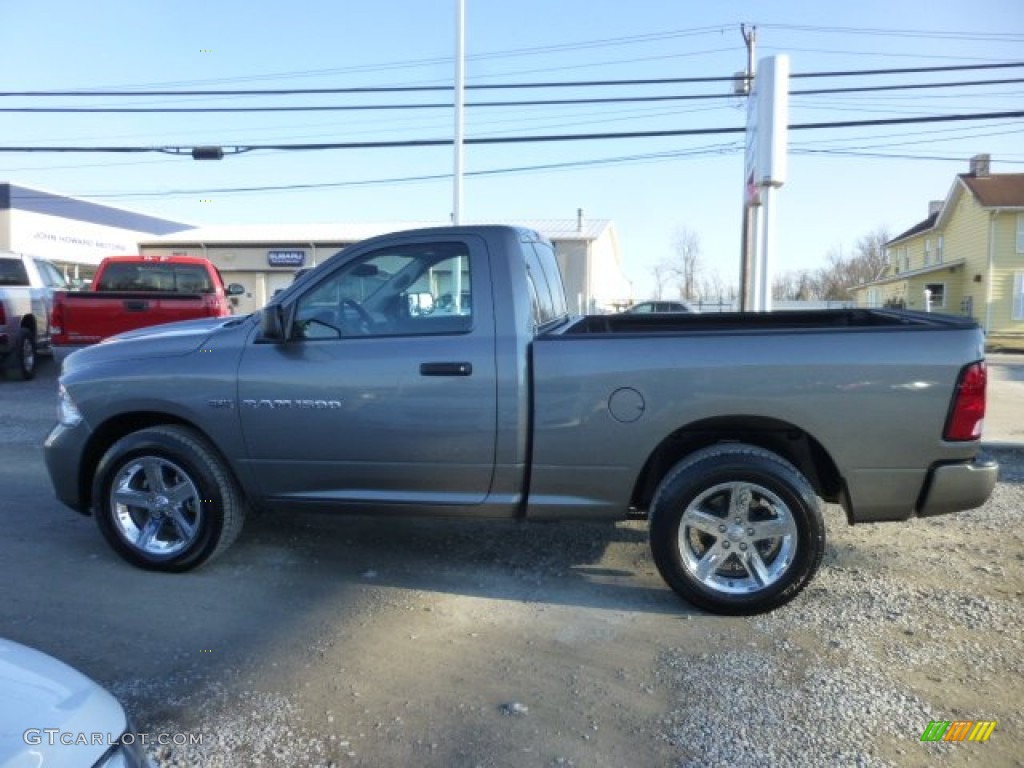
(56, 319)
(967, 416)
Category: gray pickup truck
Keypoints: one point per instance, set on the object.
(27, 284)
(438, 372)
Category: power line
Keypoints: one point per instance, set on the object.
(720, 149)
(532, 139)
(1005, 37)
(517, 103)
(503, 86)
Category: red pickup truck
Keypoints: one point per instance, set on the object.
(130, 292)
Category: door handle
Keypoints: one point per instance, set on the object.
(446, 369)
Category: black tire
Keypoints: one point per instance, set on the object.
(194, 512)
(736, 529)
(21, 363)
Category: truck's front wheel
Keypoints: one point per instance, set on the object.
(165, 500)
(736, 529)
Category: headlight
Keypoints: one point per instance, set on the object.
(67, 412)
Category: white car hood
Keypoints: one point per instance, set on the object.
(38, 692)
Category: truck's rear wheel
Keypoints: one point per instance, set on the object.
(165, 500)
(736, 529)
(22, 362)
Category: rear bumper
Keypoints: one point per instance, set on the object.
(956, 487)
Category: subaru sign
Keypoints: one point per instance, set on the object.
(286, 258)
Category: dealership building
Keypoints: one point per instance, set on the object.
(76, 234)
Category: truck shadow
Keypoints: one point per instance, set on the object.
(596, 565)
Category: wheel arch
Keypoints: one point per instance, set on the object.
(112, 430)
(781, 437)
(28, 323)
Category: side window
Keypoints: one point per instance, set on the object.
(540, 290)
(549, 265)
(50, 276)
(410, 290)
(12, 272)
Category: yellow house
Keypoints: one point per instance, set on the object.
(966, 258)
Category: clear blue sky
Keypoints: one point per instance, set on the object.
(831, 198)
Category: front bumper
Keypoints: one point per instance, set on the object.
(64, 451)
(956, 487)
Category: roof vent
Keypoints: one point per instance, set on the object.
(979, 165)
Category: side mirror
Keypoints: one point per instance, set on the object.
(234, 289)
(272, 323)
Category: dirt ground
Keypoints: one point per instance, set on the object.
(324, 641)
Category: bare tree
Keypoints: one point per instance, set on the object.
(662, 272)
(687, 263)
(682, 269)
(842, 271)
(870, 253)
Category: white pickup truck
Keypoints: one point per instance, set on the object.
(27, 284)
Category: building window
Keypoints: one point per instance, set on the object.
(906, 259)
(1018, 295)
(872, 297)
(937, 294)
(938, 250)
(927, 251)
(1020, 233)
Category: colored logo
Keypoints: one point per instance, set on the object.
(958, 730)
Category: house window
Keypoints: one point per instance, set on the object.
(906, 259)
(872, 297)
(927, 251)
(1020, 233)
(1018, 295)
(937, 293)
(938, 250)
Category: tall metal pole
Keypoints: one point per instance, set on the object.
(460, 78)
(749, 211)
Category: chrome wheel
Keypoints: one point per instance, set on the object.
(736, 529)
(737, 538)
(156, 506)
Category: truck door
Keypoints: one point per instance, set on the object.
(385, 392)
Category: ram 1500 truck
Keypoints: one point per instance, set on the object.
(27, 285)
(438, 372)
(129, 292)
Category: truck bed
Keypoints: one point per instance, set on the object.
(755, 322)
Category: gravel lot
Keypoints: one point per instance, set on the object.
(327, 641)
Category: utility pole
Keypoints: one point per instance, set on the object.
(749, 184)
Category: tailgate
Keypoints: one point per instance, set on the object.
(90, 317)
